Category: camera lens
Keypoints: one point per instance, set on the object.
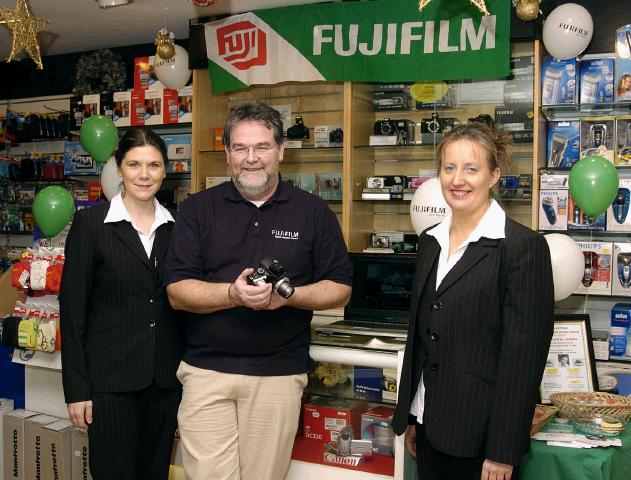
(386, 128)
(284, 288)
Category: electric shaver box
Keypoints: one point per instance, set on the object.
(558, 81)
(619, 339)
(597, 268)
(324, 417)
(577, 219)
(623, 64)
(553, 209)
(597, 137)
(621, 271)
(618, 215)
(596, 79)
(13, 443)
(563, 145)
(623, 140)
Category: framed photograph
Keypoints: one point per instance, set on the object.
(570, 366)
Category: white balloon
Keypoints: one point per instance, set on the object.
(428, 206)
(110, 181)
(567, 31)
(568, 264)
(173, 72)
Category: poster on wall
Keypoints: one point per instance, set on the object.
(570, 366)
(361, 42)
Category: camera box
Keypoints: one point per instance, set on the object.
(34, 450)
(153, 107)
(367, 381)
(330, 186)
(553, 209)
(517, 119)
(623, 141)
(623, 64)
(324, 417)
(515, 187)
(563, 143)
(137, 113)
(597, 137)
(328, 136)
(77, 161)
(13, 443)
(621, 271)
(121, 112)
(303, 181)
(386, 181)
(178, 152)
(80, 454)
(553, 181)
(434, 94)
(618, 215)
(376, 425)
(596, 79)
(578, 220)
(558, 81)
(145, 75)
(600, 341)
(619, 338)
(518, 88)
(390, 100)
(185, 104)
(6, 406)
(170, 109)
(597, 276)
(91, 105)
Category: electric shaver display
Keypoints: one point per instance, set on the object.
(588, 277)
(624, 269)
(558, 81)
(597, 268)
(553, 209)
(620, 205)
(549, 209)
(618, 217)
(621, 278)
(596, 80)
(597, 137)
(623, 139)
(563, 143)
(557, 150)
(597, 134)
(589, 88)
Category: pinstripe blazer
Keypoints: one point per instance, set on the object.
(481, 343)
(117, 327)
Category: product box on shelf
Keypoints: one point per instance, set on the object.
(91, 105)
(144, 74)
(563, 145)
(328, 136)
(596, 79)
(619, 337)
(517, 119)
(390, 100)
(618, 217)
(56, 450)
(597, 137)
(80, 454)
(330, 186)
(178, 152)
(621, 270)
(553, 209)
(515, 187)
(122, 108)
(153, 107)
(376, 426)
(578, 220)
(324, 417)
(623, 141)
(212, 181)
(553, 181)
(434, 94)
(169, 106)
(614, 377)
(303, 181)
(185, 104)
(518, 88)
(77, 161)
(558, 81)
(6, 406)
(367, 383)
(597, 273)
(623, 64)
(600, 340)
(34, 452)
(13, 443)
(137, 114)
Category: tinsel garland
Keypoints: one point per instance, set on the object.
(99, 72)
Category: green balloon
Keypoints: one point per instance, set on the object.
(99, 136)
(53, 208)
(593, 184)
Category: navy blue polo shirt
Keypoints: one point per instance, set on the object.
(217, 234)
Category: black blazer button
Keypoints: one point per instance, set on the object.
(434, 337)
(434, 367)
(437, 305)
(152, 323)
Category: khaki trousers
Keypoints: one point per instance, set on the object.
(237, 427)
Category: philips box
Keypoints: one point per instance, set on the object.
(80, 454)
(13, 452)
(623, 64)
(621, 270)
(618, 217)
(597, 273)
(623, 141)
(553, 209)
(578, 220)
(597, 137)
(558, 81)
(619, 338)
(324, 417)
(596, 80)
(563, 145)
(553, 181)
(376, 426)
(34, 450)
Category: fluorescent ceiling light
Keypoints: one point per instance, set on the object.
(112, 3)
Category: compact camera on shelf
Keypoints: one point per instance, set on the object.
(272, 271)
(436, 124)
(298, 131)
(483, 118)
(404, 129)
(336, 136)
(379, 241)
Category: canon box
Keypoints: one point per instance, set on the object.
(376, 426)
(324, 417)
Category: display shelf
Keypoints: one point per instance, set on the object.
(573, 111)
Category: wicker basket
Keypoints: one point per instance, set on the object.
(543, 414)
(570, 403)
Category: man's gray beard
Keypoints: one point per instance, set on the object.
(253, 190)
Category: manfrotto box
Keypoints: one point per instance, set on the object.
(56, 450)
(80, 454)
(13, 454)
(34, 451)
(6, 406)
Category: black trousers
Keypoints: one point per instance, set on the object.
(131, 435)
(435, 465)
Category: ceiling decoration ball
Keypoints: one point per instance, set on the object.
(202, 3)
(164, 44)
(527, 10)
(480, 4)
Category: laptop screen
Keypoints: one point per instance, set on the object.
(382, 286)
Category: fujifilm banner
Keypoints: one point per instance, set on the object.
(376, 41)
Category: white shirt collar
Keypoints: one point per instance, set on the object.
(117, 212)
(491, 225)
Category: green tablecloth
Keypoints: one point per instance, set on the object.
(544, 462)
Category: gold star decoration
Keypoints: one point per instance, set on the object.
(481, 4)
(24, 28)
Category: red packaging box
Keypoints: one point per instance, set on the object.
(94, 191)
(137, 116)
(324, 417)
(170, 106)
(141, 73)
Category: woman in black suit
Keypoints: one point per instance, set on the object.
(481, 323)
(121, 344)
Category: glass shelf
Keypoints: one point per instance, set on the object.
(569, 111)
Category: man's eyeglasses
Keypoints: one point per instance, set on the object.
(241, 151)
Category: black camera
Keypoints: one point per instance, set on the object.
(272, 271)
(386, 127)
(298, 131)
(404, 129)
(483, 118)
(432, 125)
(336, 136)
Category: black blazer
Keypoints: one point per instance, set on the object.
(118, 331)
(481, 343)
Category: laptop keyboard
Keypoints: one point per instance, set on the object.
(376, 325)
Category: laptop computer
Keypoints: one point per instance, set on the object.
(380, 302)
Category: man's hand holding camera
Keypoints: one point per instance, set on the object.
(257, 297)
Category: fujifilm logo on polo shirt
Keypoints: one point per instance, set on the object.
(285, 235)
